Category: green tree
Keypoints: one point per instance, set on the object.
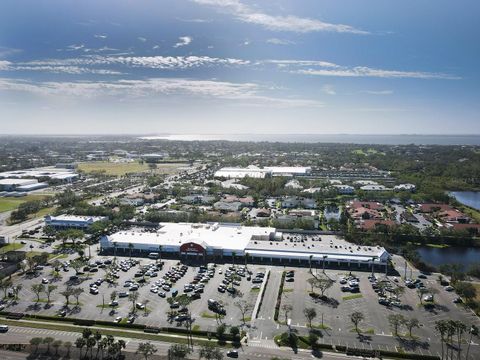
(48, 341)
(80, 343)
(56, 345)
(36, 341)
(210, 352)
(396, 320)
(48, 291)
(146, 349)
(37, 289)
(221, 329)
(466, 290)
(67, 293)
(179, 351)
(411, 324)
(67, 345)
(235, 332)
(356, 317)
(310, 314)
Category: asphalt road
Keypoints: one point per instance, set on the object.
(265, 350)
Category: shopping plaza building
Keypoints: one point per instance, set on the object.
(259, 244)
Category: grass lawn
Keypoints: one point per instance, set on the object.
(351, 297)
(363, 331)
(8, 204)
(211, 315)
(119, 169)
(11, 247)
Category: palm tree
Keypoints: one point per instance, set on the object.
(80, 343)
(461, 328)
(310, 263)
(133, 297)
(441, 328)
(246, 259)
(56, 344)
(48, 340)
(68, 346)
(233, 258)
(115, 245)
(473, 331)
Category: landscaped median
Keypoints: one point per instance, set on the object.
(138, 331)
(303, 342)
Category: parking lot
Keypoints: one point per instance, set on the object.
(153, 292)
(336, 311)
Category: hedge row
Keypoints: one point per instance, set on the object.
(279, 297)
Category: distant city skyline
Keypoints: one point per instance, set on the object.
(239, 67)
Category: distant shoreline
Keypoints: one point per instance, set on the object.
(387, 139)
(360, 139)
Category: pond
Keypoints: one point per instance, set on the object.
(464, 256)
(469, 198)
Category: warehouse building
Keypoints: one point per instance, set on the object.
(259, 244)
(20, 184)
(72, 221)
(259, 173)
(51, 173)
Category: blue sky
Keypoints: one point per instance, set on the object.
(239, 66)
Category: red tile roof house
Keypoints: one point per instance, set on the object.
(365, 210)
(429, 208)
(370, 224)
(367, 204)
(453, 216)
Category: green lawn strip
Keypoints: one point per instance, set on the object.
(287, 290)
(369, 331)
(255, 290)
(321, 327)
(301, 342)
(210, 315)
(52, 325)
(351, 297)
(11, 247)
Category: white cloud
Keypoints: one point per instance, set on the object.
(75, 70)
(152, 62)
(100, 36)
(286, 63)
(75, 47)
(275, 41)
(324, 68)
(329, 89)
(183, 41)
(379, 92)
(142, 39)
(6, 51)
(5, 65)
(291, 23)
(363, 71)
(239, 93)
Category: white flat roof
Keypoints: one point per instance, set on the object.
(72, 218)
(212, 236)
(18, 181)
(51, 172)
(289, 169)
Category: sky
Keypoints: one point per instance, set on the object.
(239, 66)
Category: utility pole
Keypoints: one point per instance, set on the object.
(405, 270)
